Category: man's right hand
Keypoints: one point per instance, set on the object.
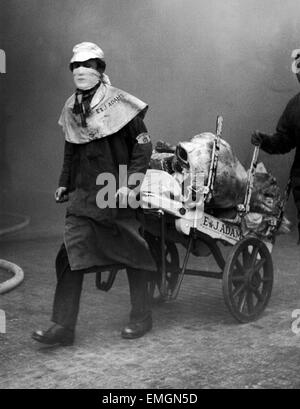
(257, 138)
(61, 195)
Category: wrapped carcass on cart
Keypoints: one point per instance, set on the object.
(194, 158)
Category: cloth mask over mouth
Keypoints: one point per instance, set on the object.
(86, 78)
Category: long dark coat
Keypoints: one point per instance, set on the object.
(97, 237)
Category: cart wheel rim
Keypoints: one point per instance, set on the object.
(248, 279)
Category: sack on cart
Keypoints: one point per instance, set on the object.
(172, 178)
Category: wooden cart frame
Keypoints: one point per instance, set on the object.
(247, 272)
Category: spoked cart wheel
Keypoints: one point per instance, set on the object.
(248, 279)
(172, 269)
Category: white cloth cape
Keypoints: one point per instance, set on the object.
(111, 110)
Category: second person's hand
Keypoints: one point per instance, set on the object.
(61, 194)
(257, 138)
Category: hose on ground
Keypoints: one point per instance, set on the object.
(17, 278)
(15, 270)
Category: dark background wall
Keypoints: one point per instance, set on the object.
(189, 59)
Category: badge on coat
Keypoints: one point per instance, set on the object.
(143, 138)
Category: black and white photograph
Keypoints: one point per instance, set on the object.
(149, 197)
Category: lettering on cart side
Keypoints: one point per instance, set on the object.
(216, 227)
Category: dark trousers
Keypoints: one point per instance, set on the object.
(296, 193)
(69, 286)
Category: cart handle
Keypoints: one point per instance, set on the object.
(246, 206)
(219, 125)
(215, 158)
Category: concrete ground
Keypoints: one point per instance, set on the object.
(195, 342)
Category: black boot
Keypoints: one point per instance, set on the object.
(65, 306)
(55, 335)
(136, 329)
(140, 315)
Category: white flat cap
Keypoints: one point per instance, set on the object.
(85, 51)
